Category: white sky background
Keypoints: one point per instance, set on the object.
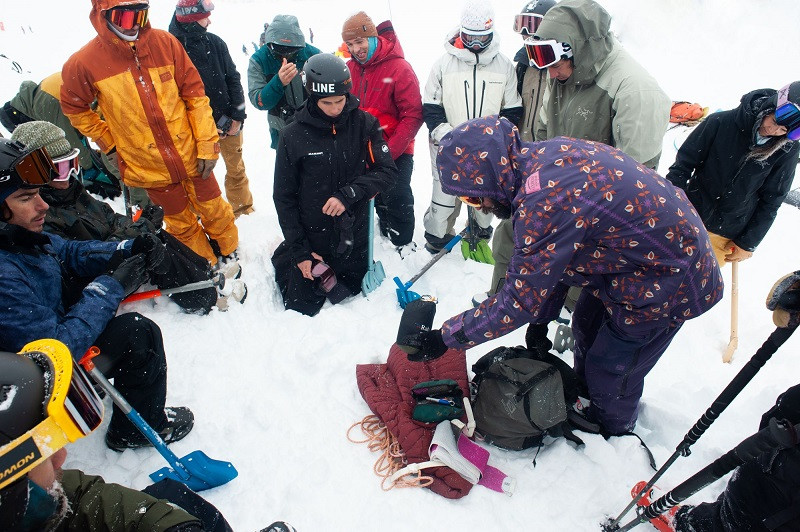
(274, 392)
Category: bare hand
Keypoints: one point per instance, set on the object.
(737, 254)
(287, 72)
(305, 266)
(333, 207)
(236, 125)
(204, 167)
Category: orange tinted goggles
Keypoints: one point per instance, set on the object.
(36, 168)
(127, 18)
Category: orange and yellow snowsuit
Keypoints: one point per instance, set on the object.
(157, 116)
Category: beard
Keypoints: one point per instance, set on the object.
(501, 211)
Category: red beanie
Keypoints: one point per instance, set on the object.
(193, 10)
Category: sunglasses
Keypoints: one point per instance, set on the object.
(280, 51)
(472, 201)
(204, 6)
(325, 275)
(471, 40)
(542, 54)
(67, 167)
(33, 169)
(527, 23)
(128, 17)
(787, 114)
(73, 411)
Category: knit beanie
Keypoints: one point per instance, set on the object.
(192, 10)
(41, 134)
(359, 25)
(477, 18)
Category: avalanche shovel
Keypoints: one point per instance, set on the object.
(375, 273)
(196, 470)
(473, 247)
(217, 281)
(406, 296)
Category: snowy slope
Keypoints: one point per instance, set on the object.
(274, 392)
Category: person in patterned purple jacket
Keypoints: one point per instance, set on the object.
(584, 214)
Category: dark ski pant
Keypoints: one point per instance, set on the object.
(614, 364)
(184, 266)
(304, 295)
(132, 353)
(395, 207)
(177, 493)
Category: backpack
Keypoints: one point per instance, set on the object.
(522, 395)
(687, 113)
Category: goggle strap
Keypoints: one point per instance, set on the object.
(30, 450)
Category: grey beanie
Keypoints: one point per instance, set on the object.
(41, 134)
(285, 30)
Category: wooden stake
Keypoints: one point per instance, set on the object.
(733, 343)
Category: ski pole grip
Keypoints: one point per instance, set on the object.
(86, 359)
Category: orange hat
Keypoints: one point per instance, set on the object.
(359, 25)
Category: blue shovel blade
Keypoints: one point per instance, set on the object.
(373, 278)
(203, 472)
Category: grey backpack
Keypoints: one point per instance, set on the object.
(521, 396)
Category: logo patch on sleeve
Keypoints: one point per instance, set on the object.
(532, 184)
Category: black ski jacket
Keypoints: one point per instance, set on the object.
(318, 158)
(211, 57)
(736, 197)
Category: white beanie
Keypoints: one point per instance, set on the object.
(477, 17)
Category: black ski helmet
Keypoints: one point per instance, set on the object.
(11, 152)
(536, 7)
(326, 75)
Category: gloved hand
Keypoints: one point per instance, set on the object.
(423, 346)
(154, 251)
(155, 214)
(204, 167)
(784, 300)
(131, 273)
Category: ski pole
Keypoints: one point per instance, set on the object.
(745, 375)
(777, 435)
(218, 281)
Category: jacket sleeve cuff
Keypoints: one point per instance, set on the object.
(207, 150)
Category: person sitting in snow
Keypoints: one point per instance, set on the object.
(737, 166)
(330, 161)
(584, 214)
(42, 295)
(74, 214)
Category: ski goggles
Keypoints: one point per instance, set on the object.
(472, 40)
(324, 274)
(203, 6)
(527, 23)
(543, 54)
(472, 201)
(281, 51)
(33, 169)
(67, 166)
(73, 410)
(128, 17)
(787, 114)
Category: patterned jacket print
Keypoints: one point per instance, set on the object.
(584, 214)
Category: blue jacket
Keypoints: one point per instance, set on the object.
(33, 267)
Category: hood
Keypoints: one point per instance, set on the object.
(468, 57)
(390, 47)
(484, 157)
(97, 16)
(185, 30)
(585, 26)
(285, 30)
(753, 106)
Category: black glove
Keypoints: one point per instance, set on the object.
(423, 346)
(131, 273)
(151, 247)
(784, 300)
(155, 214)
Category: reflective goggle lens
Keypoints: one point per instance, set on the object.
(67, 168)
(323, 272)
(127, 19)
(788, 116)
(280, 51)
(36, 168)
(541, 54)
(472, 201)
(527, 23)
(470, 40)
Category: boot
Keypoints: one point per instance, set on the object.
(180, 422)
(434, 244)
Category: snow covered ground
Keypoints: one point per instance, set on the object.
(274, 392)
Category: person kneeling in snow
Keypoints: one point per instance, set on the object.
(330, 161)
(76, 215)
(584, 214)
